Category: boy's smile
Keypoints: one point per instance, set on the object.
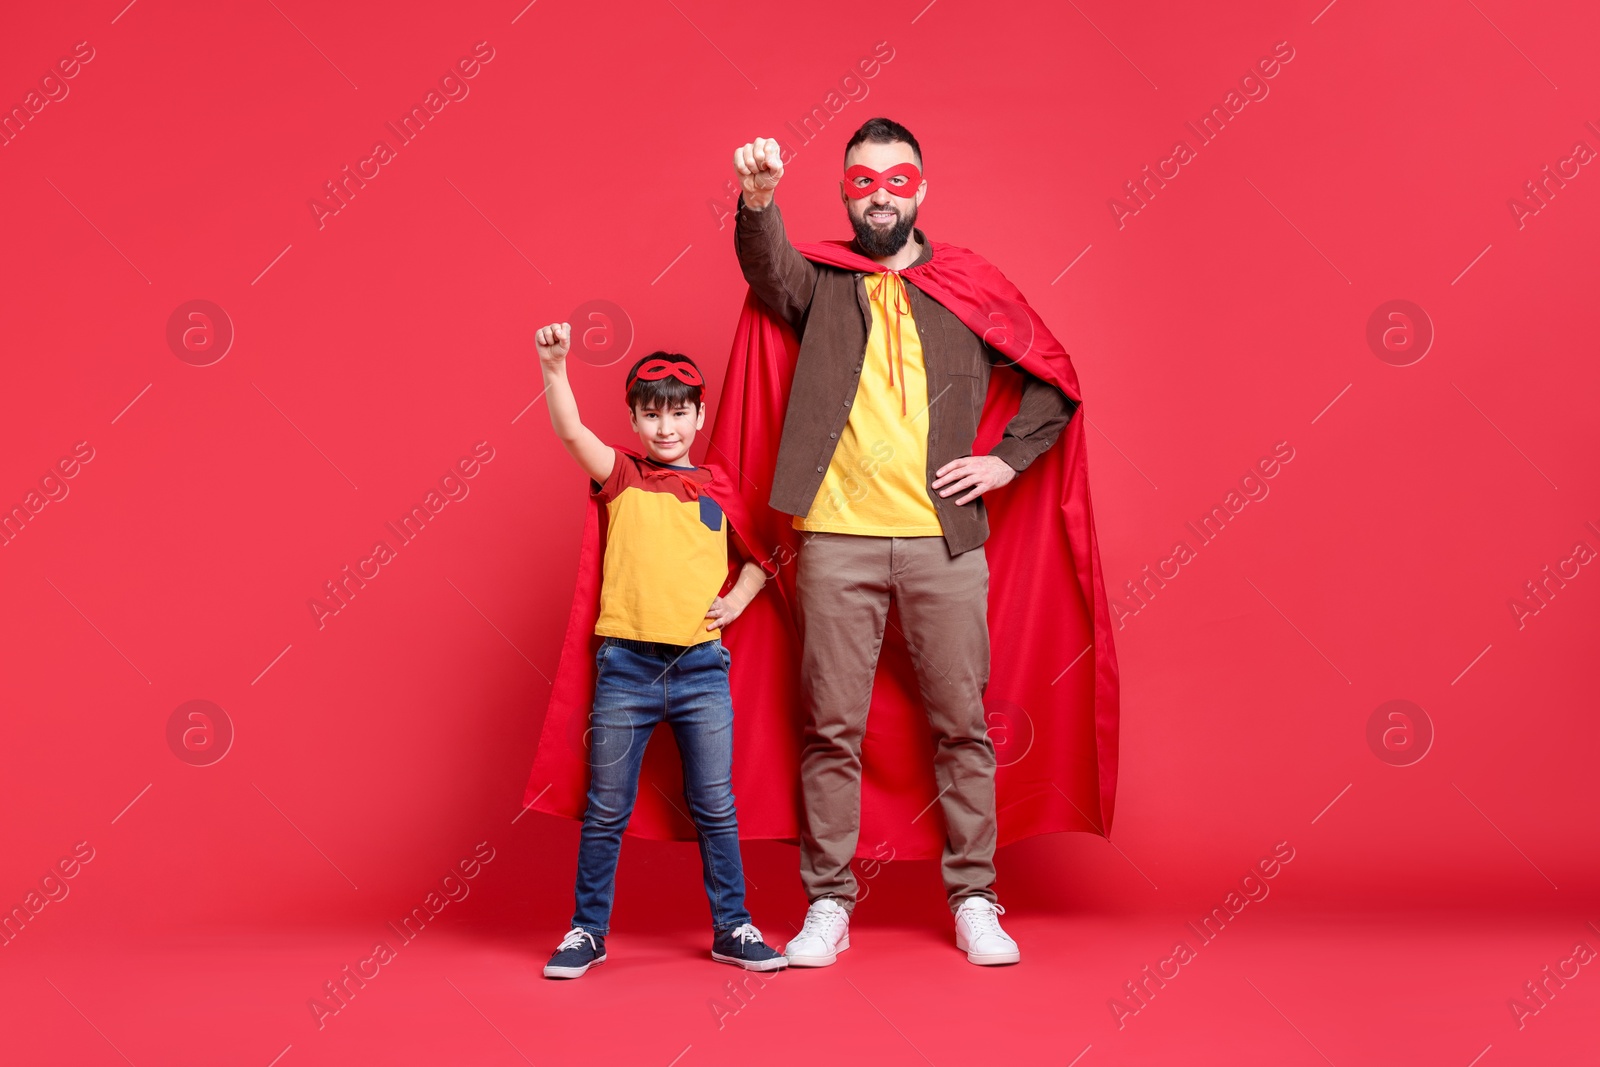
(667, 433)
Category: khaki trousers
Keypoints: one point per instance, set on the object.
(845, 583)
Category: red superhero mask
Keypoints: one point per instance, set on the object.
(881, 180)
(656, 369)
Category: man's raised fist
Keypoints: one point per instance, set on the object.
(760, 168)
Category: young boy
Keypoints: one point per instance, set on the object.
(662, 659)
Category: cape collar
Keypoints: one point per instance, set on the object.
(697, 480)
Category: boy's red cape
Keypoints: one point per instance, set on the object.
(1052, 700)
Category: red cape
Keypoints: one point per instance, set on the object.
(1052, 700)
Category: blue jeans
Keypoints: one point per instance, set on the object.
(640, 684)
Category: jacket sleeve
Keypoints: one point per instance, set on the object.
(783, 278)
(1041, 416)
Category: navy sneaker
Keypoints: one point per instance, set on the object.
(578, 951)
(743, 947)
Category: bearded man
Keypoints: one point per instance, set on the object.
(875, 465)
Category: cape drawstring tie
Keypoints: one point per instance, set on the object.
(895, 348)
(693, 486)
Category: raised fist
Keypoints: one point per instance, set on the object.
(552, 341)
(760, 168)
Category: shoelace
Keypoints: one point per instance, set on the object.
(747, 933)
(574, 938)
(986, 920)
(819, 923)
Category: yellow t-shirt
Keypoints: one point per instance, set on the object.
(877, 482)
(666, 553)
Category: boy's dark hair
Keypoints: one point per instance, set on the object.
(884, 131)
(662, 393)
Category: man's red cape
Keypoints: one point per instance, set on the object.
(1052, 700)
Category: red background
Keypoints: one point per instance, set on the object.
(587, 163)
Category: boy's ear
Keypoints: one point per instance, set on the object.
(700, 419)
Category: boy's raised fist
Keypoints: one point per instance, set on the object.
(552, 341)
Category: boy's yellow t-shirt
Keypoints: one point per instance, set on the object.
(666, 553)
(876, 484)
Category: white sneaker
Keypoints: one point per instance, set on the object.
(826, 933)
(978, 933)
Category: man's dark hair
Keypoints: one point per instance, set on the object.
(661, 394)
(884, 131)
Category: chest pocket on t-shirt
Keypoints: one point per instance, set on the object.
(710, 512)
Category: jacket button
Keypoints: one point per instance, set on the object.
(831, 436)
(819, 470)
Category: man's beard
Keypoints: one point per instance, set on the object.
(881, 243)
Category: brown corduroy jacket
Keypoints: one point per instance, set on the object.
(828, 310)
